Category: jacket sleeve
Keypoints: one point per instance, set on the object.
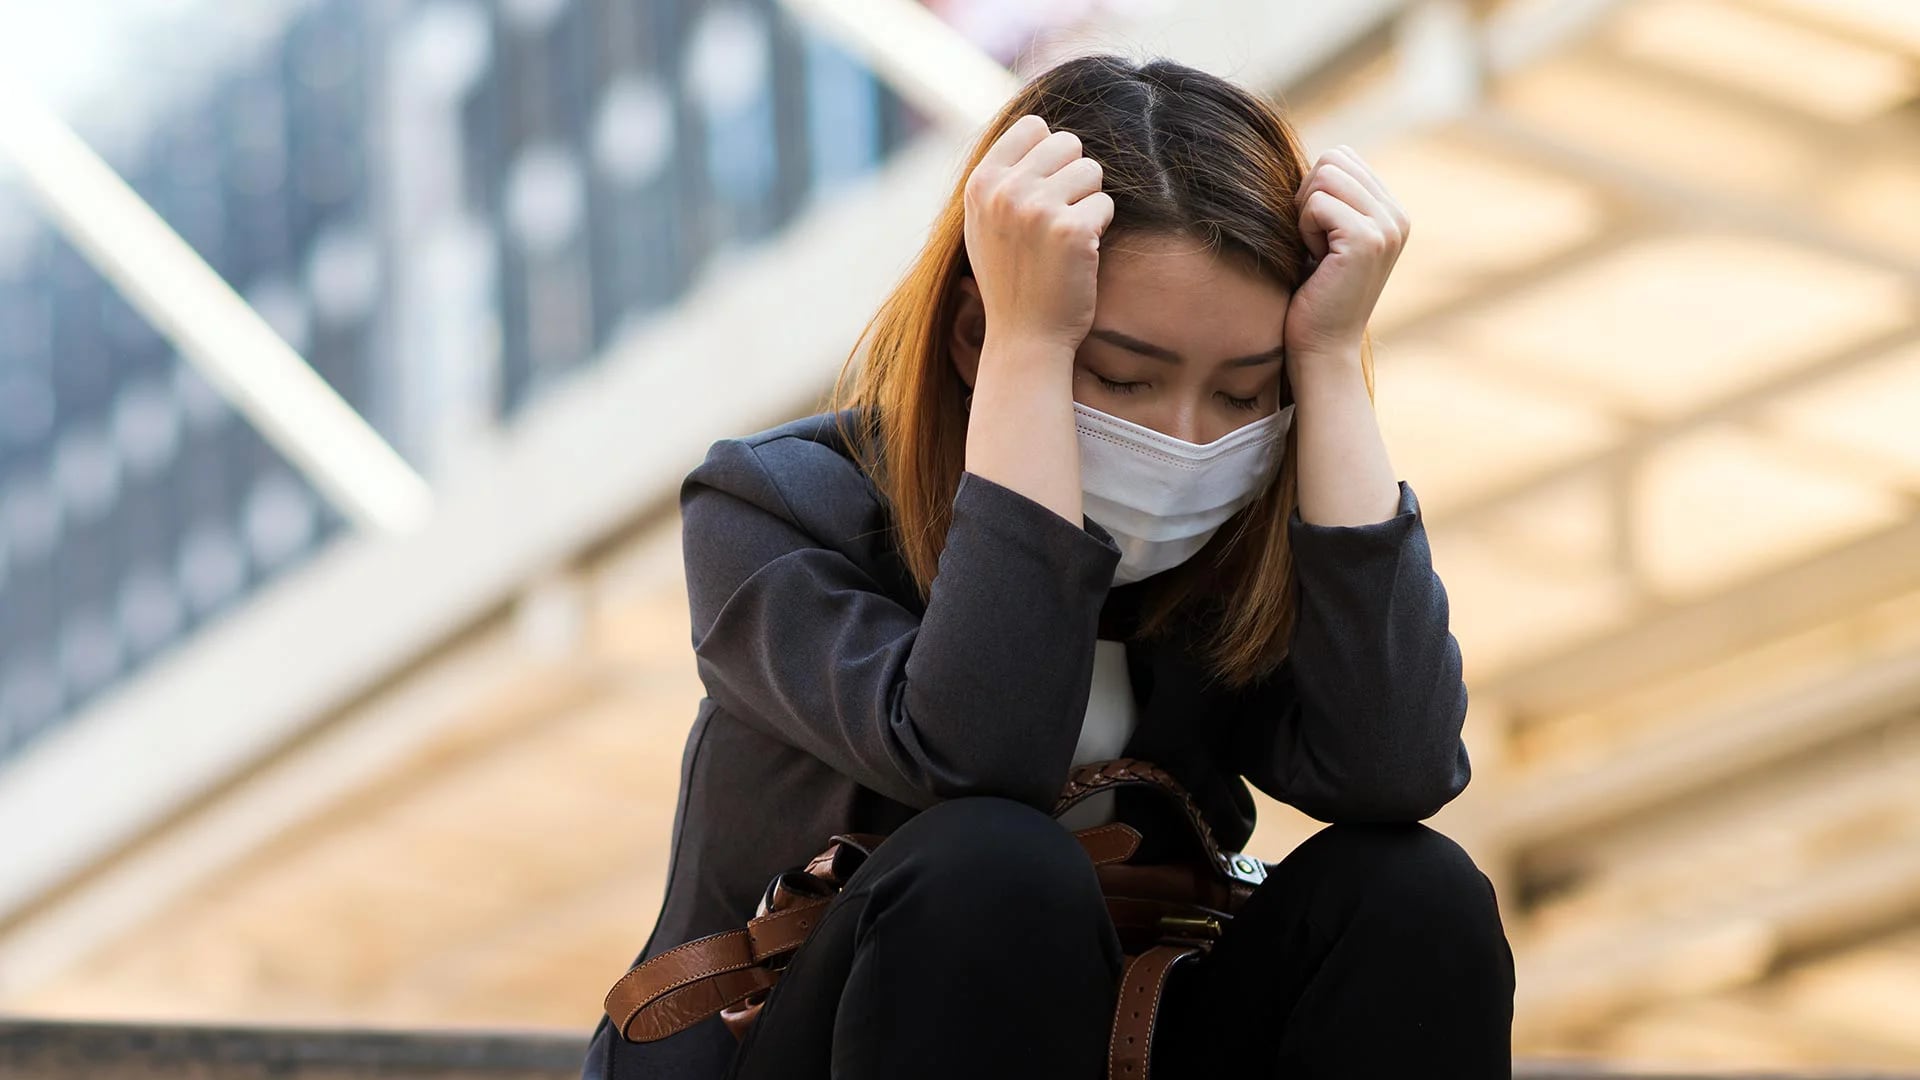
(982, 693)
(1362, 720)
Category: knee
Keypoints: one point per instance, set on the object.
(995, 857)
(1407, 871)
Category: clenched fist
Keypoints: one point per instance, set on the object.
(1034, 217)
(1356, 229)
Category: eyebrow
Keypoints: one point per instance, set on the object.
(1168, 356)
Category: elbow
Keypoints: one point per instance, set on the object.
(931, 788)
(1435, 776)
(1404, 795)
(1378, 808)
(1023, 778)
(1440, 782)
(1021, 786)
(1028, 764)
(1422, 799)
(1421, 795)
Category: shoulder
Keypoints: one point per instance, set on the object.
(801, 471)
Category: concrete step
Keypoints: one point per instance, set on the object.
(64, 1050)
(59, 1050)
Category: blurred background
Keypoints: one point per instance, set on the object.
(352, 351)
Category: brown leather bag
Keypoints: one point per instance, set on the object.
(1164, 913)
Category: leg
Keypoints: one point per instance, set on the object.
(974, 942)
(1372, 951)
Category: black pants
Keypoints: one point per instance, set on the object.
(975, 943)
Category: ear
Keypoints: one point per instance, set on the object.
(969, 330)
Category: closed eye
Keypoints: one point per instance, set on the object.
(1118, 387)
(1245, 404)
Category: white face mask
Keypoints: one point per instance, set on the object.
(1163, 498)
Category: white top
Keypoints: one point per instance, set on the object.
(1111, 711)
(1111, 716)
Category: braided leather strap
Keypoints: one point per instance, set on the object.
(1089, 779)
(1144, 982)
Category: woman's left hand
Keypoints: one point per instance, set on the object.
(1355, 228)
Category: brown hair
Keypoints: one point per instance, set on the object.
(1182, 152)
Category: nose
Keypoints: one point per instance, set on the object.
(1184, 423)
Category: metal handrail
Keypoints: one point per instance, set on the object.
(921, 58)
(189, 304)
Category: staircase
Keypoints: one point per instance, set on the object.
(48, 1050)
(41, 1050)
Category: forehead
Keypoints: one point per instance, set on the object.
(1176, 292)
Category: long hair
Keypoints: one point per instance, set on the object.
(1182, 152)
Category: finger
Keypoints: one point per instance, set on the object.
(1098, 208)
(1346, 158)
(1314, 225)
(1049, 154)
(1349, 159)
(1021, 136)
(1343, 185)
(1334, 221)
(1075, 180)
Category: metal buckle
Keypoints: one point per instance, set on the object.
(1243, 867)
(1196, 927)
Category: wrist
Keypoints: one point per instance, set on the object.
(1027, 358)
(1321, 368)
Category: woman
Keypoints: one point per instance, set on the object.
(1109, 484)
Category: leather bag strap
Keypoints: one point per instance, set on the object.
(1114, 842)
(1089, 779)
(681, 987)
(1130, 1048)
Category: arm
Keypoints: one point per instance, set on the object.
(981, 694)
(1362, 720)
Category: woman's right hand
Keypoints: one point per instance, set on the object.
(1034, 217)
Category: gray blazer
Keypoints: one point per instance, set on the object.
(837, 702)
